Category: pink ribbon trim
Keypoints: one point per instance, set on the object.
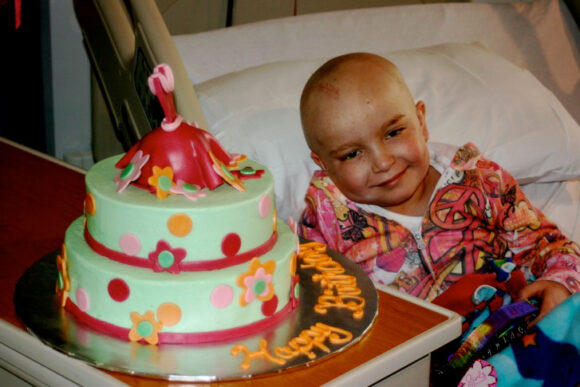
(182, 338)
(214, 264)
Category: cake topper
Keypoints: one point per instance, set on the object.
(177, 157)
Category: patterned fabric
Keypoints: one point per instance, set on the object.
(478, 213)
(548, 354)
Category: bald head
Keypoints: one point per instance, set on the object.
(341, 84)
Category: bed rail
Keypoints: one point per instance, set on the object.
(124, 41)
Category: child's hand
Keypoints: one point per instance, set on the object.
(549, 292)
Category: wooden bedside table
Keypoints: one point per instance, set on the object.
(42, 195)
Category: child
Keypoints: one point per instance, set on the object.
(414, 216)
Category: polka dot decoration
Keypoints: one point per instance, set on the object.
(180, 225)
(90, 204)
(118, 290)
(269, 307)
(293, 264)
(222, 296)
(231, 244)
(264, 206)
(83, 301)
(169, 314)
(130, 243)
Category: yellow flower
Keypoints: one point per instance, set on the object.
(162, 180)
(145, 327)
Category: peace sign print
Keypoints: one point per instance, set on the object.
(455, 206)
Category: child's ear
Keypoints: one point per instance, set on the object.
(420, 108)
(317, 160)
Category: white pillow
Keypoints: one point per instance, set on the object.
(471, 94)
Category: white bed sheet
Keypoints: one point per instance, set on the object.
(540, 36)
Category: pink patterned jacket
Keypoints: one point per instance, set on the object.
(478, 212)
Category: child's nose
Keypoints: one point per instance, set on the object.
(382, 161)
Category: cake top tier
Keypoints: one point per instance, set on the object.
(177, 157)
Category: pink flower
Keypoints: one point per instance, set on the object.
(257, 282)
(190, 191)
(132, 171)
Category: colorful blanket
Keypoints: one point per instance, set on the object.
(547, 354)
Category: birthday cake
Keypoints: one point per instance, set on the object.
(179, 241)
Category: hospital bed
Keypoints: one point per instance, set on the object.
(505, 76)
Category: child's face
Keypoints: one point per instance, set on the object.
(371, 139)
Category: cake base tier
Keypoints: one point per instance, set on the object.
(36, 305)
(198, 306)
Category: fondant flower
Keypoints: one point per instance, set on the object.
(162, 180)
(236, 159)
(145, 327)
(190, 191)
(165, 258)
(63, 281)
(223, 171)
(257, 282)
(294, 290)
(132, 171)
(247, 173)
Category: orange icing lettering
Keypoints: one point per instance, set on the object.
(352, 303)
(262, 352)
(343, 283)
(339, 289)
(303, 344)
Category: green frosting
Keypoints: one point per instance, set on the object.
(138, 217)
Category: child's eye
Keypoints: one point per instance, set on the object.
(394, 133)
(350, 155)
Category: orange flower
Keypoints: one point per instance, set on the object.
(162, 180)
(63, 281)
(145, 327)
(236, 159)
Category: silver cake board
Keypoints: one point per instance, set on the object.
(36, 305)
